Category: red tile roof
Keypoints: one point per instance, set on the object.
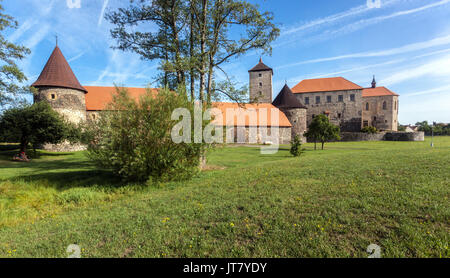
(241, 113)
(98, 97)
(377, 91)
(57, 73)
(325, 85)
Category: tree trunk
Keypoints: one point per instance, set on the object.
(323, 143)
(315, 145)
(191, 54)
(203, 50)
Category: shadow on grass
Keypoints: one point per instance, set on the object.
(83, 178)
(62, 174)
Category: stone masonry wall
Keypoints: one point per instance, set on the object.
(376, 116)
(346, 114)
(383, 136)
(261, 86)
(68, 102)
(297, 118)
(231, 135)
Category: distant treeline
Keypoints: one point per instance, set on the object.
(438, 128)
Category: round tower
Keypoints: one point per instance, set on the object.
(58, 85)
(294, 111)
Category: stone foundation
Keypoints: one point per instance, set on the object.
(64, 147)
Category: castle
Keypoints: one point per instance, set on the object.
(346, 104)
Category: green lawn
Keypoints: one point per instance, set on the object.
(330, 203)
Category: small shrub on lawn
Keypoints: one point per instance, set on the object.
(296, 146)
(133, 138)
(369, 129)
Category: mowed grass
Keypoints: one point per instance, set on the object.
(331, 203)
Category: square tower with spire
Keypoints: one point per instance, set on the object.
(260, 83)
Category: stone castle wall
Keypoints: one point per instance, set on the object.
(231, 135)
(70, 103)
(297, 118)
(383, 136)
(347, 114)
(375, 115)
(261, 87)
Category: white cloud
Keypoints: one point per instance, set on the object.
(442, 89)
(23, 28)
(388, 52)
(333, 18)
(375, 20)
(102, 13)
(38, 36)
(434, 68)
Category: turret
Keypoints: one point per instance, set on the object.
(260, 83)
(58, 85)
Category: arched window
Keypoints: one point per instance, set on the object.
(384, 105)
(395, 105)
(367, 106)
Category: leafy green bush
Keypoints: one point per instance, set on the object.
(133, 138)
(296, 146)
(35, 124)
(369, 129)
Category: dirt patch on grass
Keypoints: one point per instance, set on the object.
(213, 168)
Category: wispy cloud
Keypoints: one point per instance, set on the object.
(375, 20)
(38, 36)
(102, 13)
(441, 89)
(23, 28)
(76, 57)
(435, 68)
(388, 52)
(332, 18)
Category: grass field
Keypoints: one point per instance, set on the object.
(330, 203)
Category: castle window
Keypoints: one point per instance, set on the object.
(260, 93)
(317, 100)
(384, 105)
(339, 115)
(260, 75)
(352, 97)
(52, 96)
(340, 98)
(365, 123)
(367, 106)
(395, 106)
(260, 84)
(328, 99)
(313, 116)
(306, 100)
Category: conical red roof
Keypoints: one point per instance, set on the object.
(57, 73)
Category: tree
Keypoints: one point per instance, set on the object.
(193, 37)
(321, 130)
(35, 124)
(296, 146)
(133, 138)
(10, 74)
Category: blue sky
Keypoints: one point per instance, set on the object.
(405, 43)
